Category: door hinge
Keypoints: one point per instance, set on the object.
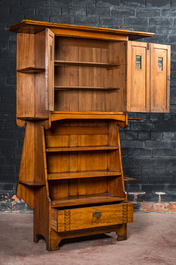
(147, 46)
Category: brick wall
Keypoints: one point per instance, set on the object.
(148, 146)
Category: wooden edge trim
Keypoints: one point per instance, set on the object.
(25, 23)
(62, 116)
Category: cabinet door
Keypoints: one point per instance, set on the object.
(160, 77)
(49, 69)
(138, 77)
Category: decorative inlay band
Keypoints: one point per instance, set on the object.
(125, 213)
(67, 214)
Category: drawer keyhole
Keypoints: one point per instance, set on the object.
(97, 214)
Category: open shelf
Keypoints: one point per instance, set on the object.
(61, 115)
(129, 179)
(90, 199)
(32, 183)
(85, 174)
(85, 88)
(31, 70)
(80, 148)
(87, 64)
(31, 118)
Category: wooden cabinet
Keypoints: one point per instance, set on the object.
(75, 85)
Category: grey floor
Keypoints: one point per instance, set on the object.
(151, 240)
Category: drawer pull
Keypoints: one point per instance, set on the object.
(97, 214)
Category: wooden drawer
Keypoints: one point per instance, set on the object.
(91, 217)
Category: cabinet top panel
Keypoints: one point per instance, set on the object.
(31, 26)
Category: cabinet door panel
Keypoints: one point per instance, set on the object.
(160, 75)
(138, 77)
(49, 69)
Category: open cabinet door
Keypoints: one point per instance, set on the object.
(49, 69)
(160, 77)
(138, 76)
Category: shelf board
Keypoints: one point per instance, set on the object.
(85, 88)
(32, 183)
(86, 64)
(31, 70)
(31, 118)
(90, 199)
(84, 174)
(60, 115)
(129, 179)
(81, 148)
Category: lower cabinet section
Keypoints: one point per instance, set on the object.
(91, 217)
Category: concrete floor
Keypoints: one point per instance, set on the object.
(151, 240)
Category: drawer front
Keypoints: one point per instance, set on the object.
(91, 217)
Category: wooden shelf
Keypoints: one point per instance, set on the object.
(85, 88)
(86, 64)
(91, 199)
(81, 149)
(32, 184)
(31, 118)
(85, 174)
(31, 70)
(129, 179)
(60, 115)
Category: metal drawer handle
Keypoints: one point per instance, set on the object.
(97, 214)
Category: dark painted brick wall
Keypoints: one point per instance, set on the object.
(148, 146)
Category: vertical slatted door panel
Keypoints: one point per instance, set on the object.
(160, 77)
(49, 69)
(137, 77)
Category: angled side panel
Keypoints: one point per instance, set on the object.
(27, 167)
(49, 69)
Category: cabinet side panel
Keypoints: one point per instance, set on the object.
(160, 73)
(40, 84)
(116, 184)
(49, 69)
(138, 77)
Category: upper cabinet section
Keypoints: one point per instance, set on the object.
(148, 77)
(68, 68)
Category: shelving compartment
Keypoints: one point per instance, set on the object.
(89, 75)
(83, 163)
(31, 84)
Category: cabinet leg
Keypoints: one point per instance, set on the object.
(36, 238)
(53, 242)
(122, 232)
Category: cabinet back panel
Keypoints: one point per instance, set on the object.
(86, 161)
(66, 188)
(80, 50)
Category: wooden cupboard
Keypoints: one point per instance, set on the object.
(75, 87)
